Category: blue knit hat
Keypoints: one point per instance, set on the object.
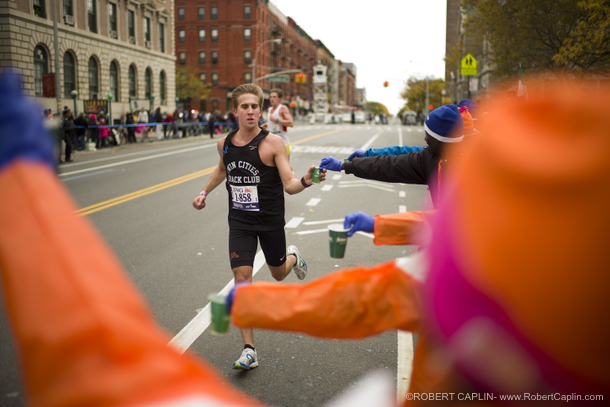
(445, 124)
(472, 107)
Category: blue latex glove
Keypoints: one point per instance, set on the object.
(359, 221)
(357, 153)
(330, 163)
(22, 132)
(231, 295)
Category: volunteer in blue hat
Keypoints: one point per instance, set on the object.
(444, 127)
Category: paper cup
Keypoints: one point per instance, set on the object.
(338, 240)
(315, 175)
(220, 315)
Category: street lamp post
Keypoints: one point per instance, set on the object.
(74, 95)
(109, 96)
(152, 100)
(276, 40)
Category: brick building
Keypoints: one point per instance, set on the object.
(220, 38)
(122, 48)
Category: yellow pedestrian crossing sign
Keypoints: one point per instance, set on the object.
(469, 66)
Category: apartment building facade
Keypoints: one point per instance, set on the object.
(117, 50)
(231, 42)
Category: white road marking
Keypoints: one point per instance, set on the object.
(400, 137)
(402, 194)
(363, 185)
(150, 157)
(313, 202)
(405, 354)
(368, 143)
(336, 177)
(327, 187)
(294, 222)
(318, 222)
(185, 338)
(404, 365)
(309, 232)
(369, 235)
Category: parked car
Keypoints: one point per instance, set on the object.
(360, 117)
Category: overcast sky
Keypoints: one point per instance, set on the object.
(380, 37)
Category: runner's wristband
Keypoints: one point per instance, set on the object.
(304, 183)
(204, 193)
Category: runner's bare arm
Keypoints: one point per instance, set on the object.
(291, 184)
(216, 178)
(286, 117)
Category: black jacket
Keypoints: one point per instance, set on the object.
(81, 121)
(419, 167)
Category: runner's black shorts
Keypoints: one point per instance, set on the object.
(242, 246)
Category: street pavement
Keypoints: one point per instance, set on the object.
(139, 197)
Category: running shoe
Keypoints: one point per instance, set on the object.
(300, 267)
(247, 360)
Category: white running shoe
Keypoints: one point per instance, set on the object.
(300, 267)
(247, 360)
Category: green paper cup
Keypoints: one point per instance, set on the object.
(315, 175)
(220, 315)
(338, 240)
(346, 160)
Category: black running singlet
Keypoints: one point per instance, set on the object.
(256, 192)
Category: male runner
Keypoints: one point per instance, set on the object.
(255, 165)
(279, 118)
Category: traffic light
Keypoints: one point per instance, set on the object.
(385, 84)
(300, 78)
(431, 107)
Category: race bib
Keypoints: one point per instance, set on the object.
(273, 127)
(245, 198)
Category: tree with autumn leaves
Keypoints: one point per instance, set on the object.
(563, 37)
(189, 86)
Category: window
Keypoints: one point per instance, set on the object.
(201, 14)
(162, 93)
(180, 13)
(68, 10)
(40, 11)
(215, 79)
(246, 12)
(147, 29)
(132, 81)
(112, 18)
(92, 15)
(41, 67)
(214, 13)
(93, 79)
(147, 83)
(161, 37)
(247, 32)
(201, 36)
(203, 77)
(182, 57)
(182, 36)
(131, 26)
(114, 81)
(69, 75)
(214, 57)
(201, 57)
(215, 104)
(248, 77)
(247, 57)
(214, 36)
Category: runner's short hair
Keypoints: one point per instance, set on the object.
(280, 93)
(248, 88)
